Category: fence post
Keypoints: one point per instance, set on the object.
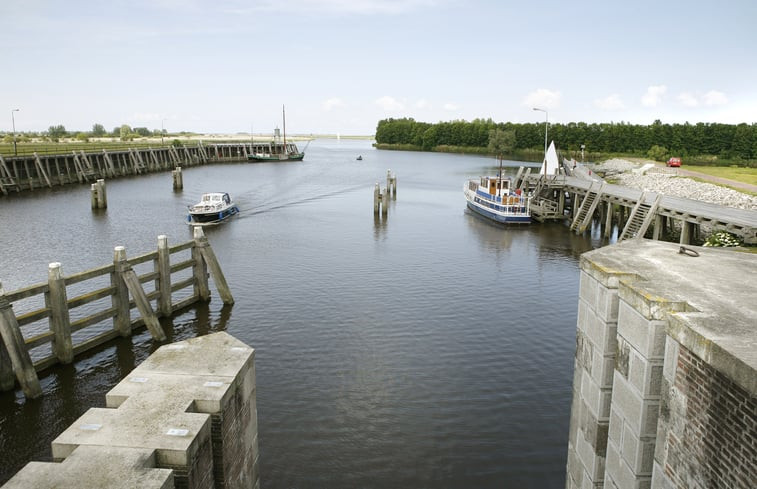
(7, 379)
(163, 285)
(211, 263)
(16, 347)
(129, 277)
(120, 298)
(60, 321)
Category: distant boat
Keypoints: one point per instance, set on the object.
(493, 198)
(278, 151)
(213, 208)
(360, 158)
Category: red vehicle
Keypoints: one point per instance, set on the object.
(673, 162)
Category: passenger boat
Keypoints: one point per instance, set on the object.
(213, 208)
(278, 151)
(493, 197)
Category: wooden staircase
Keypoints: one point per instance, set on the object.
(588, 206)
(640, 218)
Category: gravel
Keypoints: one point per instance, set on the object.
(665, 181)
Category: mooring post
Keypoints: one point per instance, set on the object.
(391, 184)
(163, 284)
(376, 196)
(60, 321)
(99, 197)
(16, 348)
(608, 223)
(211, 263)
(120, 297)
(199, 269)
(385, 202)
(178, 181)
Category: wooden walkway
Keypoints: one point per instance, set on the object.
(691, 213)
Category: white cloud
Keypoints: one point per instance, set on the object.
(451, 106)
(611, 102)
(543, 99)
(688, 99)
(361, 7)
(713, 97)
(390, 104)
(422, 104)
(654, 94)
(143, 117)
(333, 103)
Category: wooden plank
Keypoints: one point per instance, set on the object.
(89, 274)
(182, 265)
(181, 247)
(32, 316)
(80, 300)
(26, 292)
(209, 258)
(183, 284)
(143, 305)
(93, 319)
(39, 340)
(153, 255)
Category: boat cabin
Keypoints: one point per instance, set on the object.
(496, 186)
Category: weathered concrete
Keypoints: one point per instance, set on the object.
(127, 468)
(190, 407)
(626, 435)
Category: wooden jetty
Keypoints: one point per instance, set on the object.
(30, 172)
(50, 335)
(583, 197)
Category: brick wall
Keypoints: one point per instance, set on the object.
(710, 429)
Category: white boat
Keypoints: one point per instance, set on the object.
(213, 208)
(494, 198)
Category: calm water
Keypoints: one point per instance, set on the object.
(433, 349)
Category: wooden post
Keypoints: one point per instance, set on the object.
(60, 321)
(129, 277)
(120, 298)
(376, 196)
(178, 181)
(98, 195)
(211, 263)
(608, 222)
(384, 202)
(7, 379)
(16, 348)
(686, 230)
(560, 202)
(658, 224)
(200, 269)
(163, 285)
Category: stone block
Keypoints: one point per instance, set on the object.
(602, 369)
(602, 334)
(644, 335)
(592, 462)
(645, 375)
(671, 359)
(607, 304)
(626, 402)
(597, 399)
(89, 467)
(587, 290)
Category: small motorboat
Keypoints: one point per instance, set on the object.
(213, 208)
(360, 158)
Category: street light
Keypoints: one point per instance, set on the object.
(546, 127)
(13, 120)
(162, 131)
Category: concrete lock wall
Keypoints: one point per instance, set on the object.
(186, 418)
(665, 370)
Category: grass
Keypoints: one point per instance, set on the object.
(739, 174)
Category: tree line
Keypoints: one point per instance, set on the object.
(737, 143)
(57, 132)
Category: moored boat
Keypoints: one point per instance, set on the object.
(214, 207)
(278, 151)
(493, 197)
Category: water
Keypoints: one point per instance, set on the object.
(433, 349)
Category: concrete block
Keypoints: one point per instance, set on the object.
(593, 463)
(584, 351)
(583, 310)
(587, 290)
(637, 452)
(575, 469)
(95, 468)
(607, 304)
(602, 334)
(645, 375)
(615, 428)
(644, 335)
(671, 359)
(659, 479)
(626, 402)
(602, 369)
(597, 399)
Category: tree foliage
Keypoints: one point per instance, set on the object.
(98, 130)
(56, 132)
(722, 140)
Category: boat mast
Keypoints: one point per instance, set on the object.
(284, 118)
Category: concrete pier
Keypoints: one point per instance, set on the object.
(186, 417)
(665, 383)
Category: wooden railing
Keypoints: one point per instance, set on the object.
(43, 336)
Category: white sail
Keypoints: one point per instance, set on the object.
(550, 161)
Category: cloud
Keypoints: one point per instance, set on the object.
(543, 99)
(451, 106)
(333, 103)
(688, 99)
(611, 102)
(422, 104)
(359, 7)
(390, 104)
(654, 94)
(713, 97)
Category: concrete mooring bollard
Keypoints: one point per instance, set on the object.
(99, 197)
(178, 180)
(391, 184)
(380, 200)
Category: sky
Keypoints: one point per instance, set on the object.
(340, 66)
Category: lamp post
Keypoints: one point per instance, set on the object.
(162, 130)
(13, 121)
(546, 128)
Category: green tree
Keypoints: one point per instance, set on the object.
(98, 130)
(658, 153)
(125, 133)
(82, 136)
(501, 143)
(56, 132)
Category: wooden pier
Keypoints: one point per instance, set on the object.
(39, 337)
(582, 198)
(30, 172)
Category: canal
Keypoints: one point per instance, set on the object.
(430, 349)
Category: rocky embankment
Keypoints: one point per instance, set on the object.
(667, 181)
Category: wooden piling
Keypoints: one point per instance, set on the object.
(211, 263)
(15, 346)
(200, 269)
(120, 297)
(60, 321)
(385, 202)
(178, 180)
(391, 184)
(98, 195)
(163, 283)
(376, 197)
(133, 286)
(608, 222)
